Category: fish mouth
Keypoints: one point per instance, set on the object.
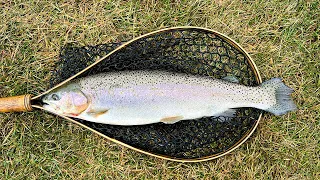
(50, 107)
(43, 101)
(45, 105)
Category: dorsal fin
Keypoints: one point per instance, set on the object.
(231, 79)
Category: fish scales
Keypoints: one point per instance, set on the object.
(144, 97)
(161, 93)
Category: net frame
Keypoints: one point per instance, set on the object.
(120, 48)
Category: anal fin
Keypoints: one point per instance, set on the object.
(228, 113)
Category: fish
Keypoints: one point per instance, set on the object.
(139, 97)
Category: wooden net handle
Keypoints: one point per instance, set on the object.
(16, 103)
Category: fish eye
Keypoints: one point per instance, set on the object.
(55, 97)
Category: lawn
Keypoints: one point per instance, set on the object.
(282, 38)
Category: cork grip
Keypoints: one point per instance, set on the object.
(16, 103)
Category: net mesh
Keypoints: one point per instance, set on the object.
(192, 51)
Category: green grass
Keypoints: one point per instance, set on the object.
(281, 36)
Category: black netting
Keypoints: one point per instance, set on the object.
(191, 51)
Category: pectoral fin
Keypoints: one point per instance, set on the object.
(171, 119)
(97, 113)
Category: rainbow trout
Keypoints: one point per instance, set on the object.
(144, 97)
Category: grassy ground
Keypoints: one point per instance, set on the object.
(281, 36)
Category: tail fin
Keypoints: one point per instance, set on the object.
(284, 102)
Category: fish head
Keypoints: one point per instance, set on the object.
(65, 101)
